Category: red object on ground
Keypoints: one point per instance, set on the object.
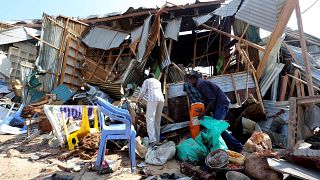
(195, 110)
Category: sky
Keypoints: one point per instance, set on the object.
(33, 9)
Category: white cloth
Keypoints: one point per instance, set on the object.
(153, 118)
(151, 87)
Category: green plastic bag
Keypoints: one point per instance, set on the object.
(191, 151)
(194, 151)
(212, 137)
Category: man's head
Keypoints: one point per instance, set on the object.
(193, 79)
(151, 75)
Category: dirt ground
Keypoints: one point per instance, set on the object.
(36, 160)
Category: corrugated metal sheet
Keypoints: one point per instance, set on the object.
(202, 19)
(136, 33)
(5, 65)
(272, 70)
(223, 81)
(176, 90)
(48, 56)
(102, 38)
(240, 79)
(261, 13)
(276, 109)
(17, 34)
(144, 38)
(173, 28)
(299, 64)
(228, 10)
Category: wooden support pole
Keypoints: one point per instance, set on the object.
(292, 124)
(304, 51)
(295, 78)
(283, 88)
(235, 37)
(95, 68)
(234, 84)
(60, 54)
(276, 34)
(194, 52)
(114, 64)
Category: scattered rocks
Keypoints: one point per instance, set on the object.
(13, 153)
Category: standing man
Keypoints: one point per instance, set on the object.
(152, 87)
(217, 103)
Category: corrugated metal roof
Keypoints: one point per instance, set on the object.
(173, 28)
(229, 9)
(48, 56)
(261, 13)
(269, 76)
(240, 79)
(144, 38)
(202, 19)
(136, 33)
(17, 34)
(102, 38)
(223, 81)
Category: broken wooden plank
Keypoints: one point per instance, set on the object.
(276, 34)
(168, 118)
(235, 37)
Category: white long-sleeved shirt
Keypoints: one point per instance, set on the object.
(151, 87)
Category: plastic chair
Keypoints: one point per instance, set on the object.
(116, 131)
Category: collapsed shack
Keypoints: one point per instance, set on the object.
(272, 83)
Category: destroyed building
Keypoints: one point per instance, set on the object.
(59, 66)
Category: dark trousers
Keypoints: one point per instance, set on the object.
(233, 144)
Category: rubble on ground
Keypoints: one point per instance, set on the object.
(54, 74)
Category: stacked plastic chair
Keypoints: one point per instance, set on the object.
(125, 130)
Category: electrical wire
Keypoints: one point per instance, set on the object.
(310, 6)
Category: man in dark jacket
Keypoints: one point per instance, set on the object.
(217, 103)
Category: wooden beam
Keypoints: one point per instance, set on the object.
(235, 37)
(304, 51)
(292, 124)
(56, 81)
(283, 88)
(295, 78)
(65, 59)
(95, 68)
(154, 11)
(276, 34)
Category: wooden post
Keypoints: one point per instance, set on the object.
(292, 124)
(60, 54)
(114, 64)
(65, 58)
(95, 68)
(194, 52)
(304, 51)
(276, 34)
(283, 88)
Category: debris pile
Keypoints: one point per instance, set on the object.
(196, 81)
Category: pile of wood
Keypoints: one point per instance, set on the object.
(34, 113)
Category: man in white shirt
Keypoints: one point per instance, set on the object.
(152, 87)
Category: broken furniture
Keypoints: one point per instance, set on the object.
(125, 130)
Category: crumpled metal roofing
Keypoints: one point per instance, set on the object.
(144, 39)
(261, 13)
(172, 29)
(102, 38)
(240, 79)
(17, 34)
(136, 33)
(223, 81)
(229, 9)
(202, 19)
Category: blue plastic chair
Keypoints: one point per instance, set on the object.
(116, 131)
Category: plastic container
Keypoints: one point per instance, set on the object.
(195, 110)
(217, 159)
